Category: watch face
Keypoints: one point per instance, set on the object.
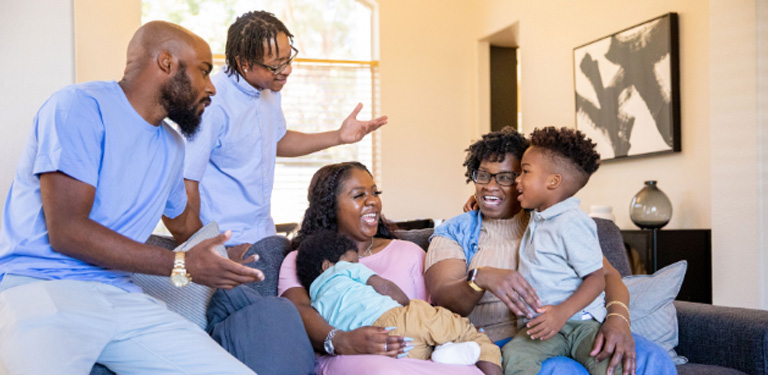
(179, 279)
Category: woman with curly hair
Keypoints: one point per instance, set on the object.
(344, 198)
(478, 251)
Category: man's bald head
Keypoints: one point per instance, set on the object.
(159, 37)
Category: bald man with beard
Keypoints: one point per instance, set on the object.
(99, 169)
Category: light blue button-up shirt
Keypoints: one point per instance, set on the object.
(233, 158)
(559, 248)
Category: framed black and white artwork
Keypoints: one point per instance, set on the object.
(628, 90)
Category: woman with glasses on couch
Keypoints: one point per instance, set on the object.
(343, 197)
(477, 252)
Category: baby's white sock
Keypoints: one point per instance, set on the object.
(463, 353)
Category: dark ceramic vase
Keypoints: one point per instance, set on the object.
(650, 207)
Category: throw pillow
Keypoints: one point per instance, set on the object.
(651, 306)
(191, 302)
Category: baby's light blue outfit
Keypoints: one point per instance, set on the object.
(340, 294)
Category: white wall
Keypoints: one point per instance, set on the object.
(739, 133)
(102, 32)
(38, 58)
(428, 80)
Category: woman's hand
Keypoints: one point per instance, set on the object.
(511, 288)
(614, 340)
(369, 340)
(237, 254)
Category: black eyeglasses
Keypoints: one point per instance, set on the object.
(502, 178)
(280, 68)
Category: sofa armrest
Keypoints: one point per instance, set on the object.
(724, 336)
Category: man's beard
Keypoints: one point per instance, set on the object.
(178, 98)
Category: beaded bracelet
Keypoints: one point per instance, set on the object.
(622, 317)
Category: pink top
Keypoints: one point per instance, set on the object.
(402, 262)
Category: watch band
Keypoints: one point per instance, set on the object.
(328, 342)
(179, 260)
(179, 276)
(471, 276)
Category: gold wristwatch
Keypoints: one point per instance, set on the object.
(471, 276)
(179, 276)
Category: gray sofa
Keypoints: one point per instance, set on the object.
(717, 340)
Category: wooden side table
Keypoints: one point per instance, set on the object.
(659, 248)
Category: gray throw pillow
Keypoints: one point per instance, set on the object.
(191, 302)
(651, 306)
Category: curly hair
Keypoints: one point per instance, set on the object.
(570, 144)
(321, 245)
(494, 147)
(324, 190)
(246, 38)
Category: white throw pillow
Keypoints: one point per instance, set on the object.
(191, 302)
(652, 309)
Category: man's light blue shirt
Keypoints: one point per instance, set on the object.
(342, 296)
(91, 133)
(233, 158)
(559, 248)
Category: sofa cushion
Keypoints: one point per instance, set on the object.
(651, 306)
(698, 369)
(191, 302)
(612, 245)
(417, 236)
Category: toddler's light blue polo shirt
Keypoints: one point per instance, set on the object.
(559, 248)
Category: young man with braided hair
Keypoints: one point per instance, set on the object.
(230, 165)
(559, 254)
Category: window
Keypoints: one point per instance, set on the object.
(333, 72)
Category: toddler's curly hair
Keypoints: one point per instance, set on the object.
(570, 144)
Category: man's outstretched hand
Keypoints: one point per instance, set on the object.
(353, 130)
(207, 267)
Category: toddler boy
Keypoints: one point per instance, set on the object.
(559, 254)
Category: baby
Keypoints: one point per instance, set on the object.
(559, 254)
(349, 295)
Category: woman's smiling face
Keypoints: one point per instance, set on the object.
(358, 206)
(496, 201)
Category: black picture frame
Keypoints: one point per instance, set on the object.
(627, 89)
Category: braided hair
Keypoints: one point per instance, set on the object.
(324, 190)
(494, 147)
(247, 36)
